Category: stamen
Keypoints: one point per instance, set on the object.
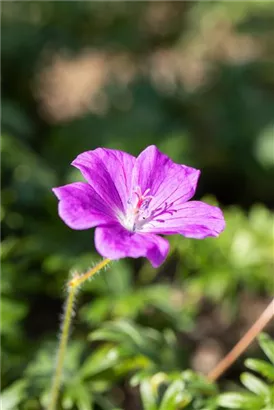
(143, 199)
(140, 213)
(138, 209)
(146, 192)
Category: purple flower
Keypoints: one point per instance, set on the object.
(132, 200)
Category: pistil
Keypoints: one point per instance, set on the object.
(138, 210)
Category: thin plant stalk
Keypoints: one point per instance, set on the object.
(62, 348)
(243, 344)
(73, 286)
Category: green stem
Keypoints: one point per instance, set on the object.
(79, 279)
(62, 348)
(72, 289)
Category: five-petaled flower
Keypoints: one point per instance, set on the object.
(131, 200)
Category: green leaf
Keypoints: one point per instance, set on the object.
(262, 367)
(8, 246)
(267, 345)
(41, 367)
(148, 395)
(254, 384)
(175, 396)
(209, 404)
(77, 393)
(13, 395)
(198, 383)
(103, 358)
(136, 339)
(240, 401)
(138, 377)
(119, 282)
(83, 398)
(12, 312)
(120, 331)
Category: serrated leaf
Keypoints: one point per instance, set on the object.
(254, 384)
(13, 395)
(149, 398)
(267, 346)
(174, 396)
(240, 401)
(262, 367)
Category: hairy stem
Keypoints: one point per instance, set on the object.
(62, 348)
(79, 279)
(243, 344)
(68, 313)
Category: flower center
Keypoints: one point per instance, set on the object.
(137, 212)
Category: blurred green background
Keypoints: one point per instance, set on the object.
(197, 80)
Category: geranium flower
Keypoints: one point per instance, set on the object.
(131, 201)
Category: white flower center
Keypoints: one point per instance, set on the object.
(137, 212)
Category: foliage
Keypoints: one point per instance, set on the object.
(131, 349)
(261, 392)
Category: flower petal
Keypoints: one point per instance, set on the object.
(115, 242)
(80, 207)
(168, 182)
(193, 219)
(109, 172)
